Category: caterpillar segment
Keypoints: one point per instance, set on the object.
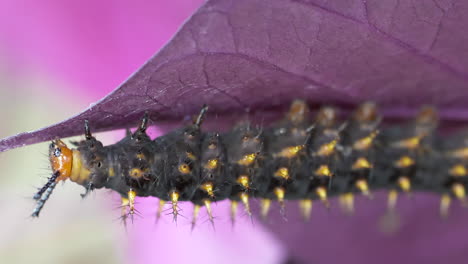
(298, 158)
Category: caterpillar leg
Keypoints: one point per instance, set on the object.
(234, 206)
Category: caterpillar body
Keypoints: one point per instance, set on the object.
(295, 159)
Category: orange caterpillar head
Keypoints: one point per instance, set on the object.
(61, 159)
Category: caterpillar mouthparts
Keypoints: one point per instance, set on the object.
(295, 159)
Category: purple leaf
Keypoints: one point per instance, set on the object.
(260, 54)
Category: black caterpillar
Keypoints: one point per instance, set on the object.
(295, 159)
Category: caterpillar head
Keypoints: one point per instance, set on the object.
(61, 159)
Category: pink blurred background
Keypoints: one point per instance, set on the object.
(56, 58)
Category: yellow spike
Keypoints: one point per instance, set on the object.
(208, 188)
(245, 200)
(131, 200)
(123, 209)
(458, 170)
(290, 152)
(174, 199)
(243, 180)
(404, 162)
(392, 200)
(265, 205)
(323, 170)
(279, 193)
(322, 194)
(362, 185)
(234, 206)
(282, 172)
(305, 206)
(160, 208)
(347, 202)
(196, 211)
(459, 191)
(247, 160)
(207, 204)
(327, 149)
(445, 205)
(404, 183)
(361, 163)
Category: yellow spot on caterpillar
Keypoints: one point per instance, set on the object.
(79, 174)
(208, 188)
(347, 202)
(458, 170)
(305, 207)
(361, 163)
(404, 183)
(362, 185)
(243, 180)
(459, 191)
(366, 142)
(445, 205)
(184, 168)
(131, 195)
(265, 205)
(404, 162)
(111, 172)
(211, 164)
(174, 195)
(392, 200)
(196, 211)
(234, 206)
(290, 152)
(190, 155)
(282, 172)
(322, 194)
(136, 173)
(245, 200)
(247, 160)
(323, 170)
(327, 149)
(410, 143)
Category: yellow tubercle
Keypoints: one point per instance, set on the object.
(184, 168)
(404, 162)
(290, 152)
(458, 171)
(211, 164)
(243, 180)
(392, 200)
(363, 186)
(366, 142)
(361, 163)
(347, 202)
(208, 188)
(207, 204)
(459, 191)
(404, 183)
(327, 149)
(282, 172)
(409, 143)
(247, 160)
(131, 195)
(174, 195)
(323, 170)
(322, 194)
(234, 206)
